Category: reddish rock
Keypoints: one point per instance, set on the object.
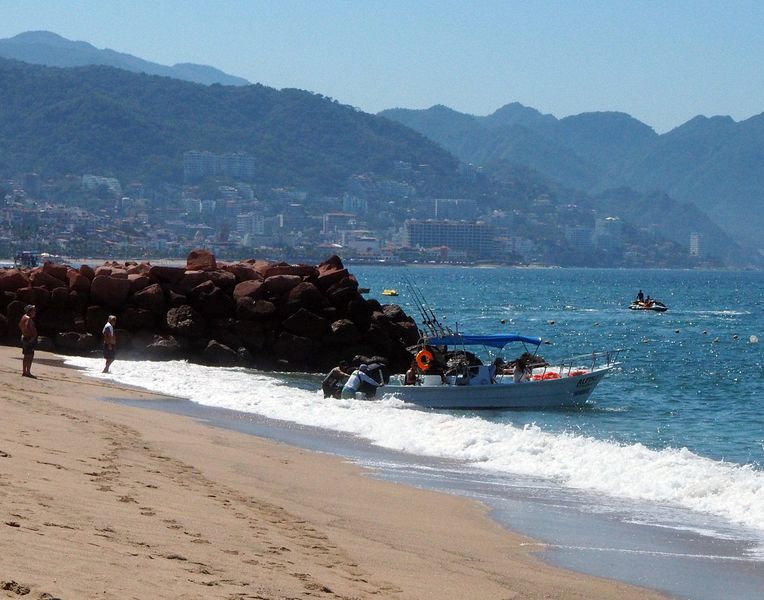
(306, 323)
(303, 271)
(13, 279)
(138, 281)
(166, 274)
(164, 347)
(40, 278)
(243, 272)
(249, 309)
(134, 319)
(59, 297)
(95, 319)
(211, 301)
(342, 292)
(185, 321)
(223, 279)
(54, 270)
(151, 298)
(260, 266)
(293, 349)
(252, 334)
(220, 355)
(201, 260)
(103, 271)
(77, 281)
(305, 295)
(191, 279)
(77, 342)
(87, 271)
(55, 320)
(38, 296)
(248, 289)
(110, 291)
(343, 332)
(280, 284)
(394, 312)
(330, 272)
(78, 301)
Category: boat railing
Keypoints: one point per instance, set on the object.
(590, 362)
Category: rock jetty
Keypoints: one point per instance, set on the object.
(252, 313)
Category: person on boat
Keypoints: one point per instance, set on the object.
(355, 379)
(521, 372)
(411, 375)
(332, 383)
(640, 296)
(496, 368)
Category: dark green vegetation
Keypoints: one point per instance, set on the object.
(714, 163)
(133, 126)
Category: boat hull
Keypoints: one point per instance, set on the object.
(565, 392)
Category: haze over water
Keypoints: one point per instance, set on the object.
(678, 430)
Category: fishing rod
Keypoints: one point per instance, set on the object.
(435, 326)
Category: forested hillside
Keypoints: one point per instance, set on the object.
(113, 122)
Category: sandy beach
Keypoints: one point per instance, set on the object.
(104, 500)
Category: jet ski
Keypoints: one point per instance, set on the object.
(653, 305)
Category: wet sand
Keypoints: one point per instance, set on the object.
(106, 500)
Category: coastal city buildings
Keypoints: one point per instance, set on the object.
(221, 207)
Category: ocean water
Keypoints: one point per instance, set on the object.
(673, 438)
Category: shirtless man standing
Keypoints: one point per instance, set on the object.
(28, 339)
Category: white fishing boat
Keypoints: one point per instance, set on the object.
(460, 383)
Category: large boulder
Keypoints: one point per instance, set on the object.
(252, 288)
(294, 350)
(151, 298)
(95, 319)
(330, 272)
(40, 278)
(38, 296)
(87, 271)
(302, 271)
(223, 279)
(307, 324)
(185, 321)
(135, 319)
(164, 347)
(59, 297)
(201, 260)
(166, 274)
(343, 332)
(74, 341)
(138, 281)
(56, 271)
(305, 295)
(110, 291)
(13, 279)
(276, 285)
(53, 320)
(78, 282)
(249, 309)
(220, 355)
(243, 272)
(211, 301)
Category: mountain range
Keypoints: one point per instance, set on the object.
(47, 48)
(715, 163)
(127, 123)
(135, 126)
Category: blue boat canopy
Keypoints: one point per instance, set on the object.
(495, 340)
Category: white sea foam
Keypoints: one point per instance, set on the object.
(669, 476)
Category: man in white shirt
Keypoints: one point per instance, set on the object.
(109, 342)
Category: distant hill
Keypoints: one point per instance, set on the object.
(46, 48)
(714, 163)
(112, 122)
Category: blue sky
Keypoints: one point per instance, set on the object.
(662, 62)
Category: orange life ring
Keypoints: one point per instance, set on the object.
(577, 373)
(423, 359)
(551, 375)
